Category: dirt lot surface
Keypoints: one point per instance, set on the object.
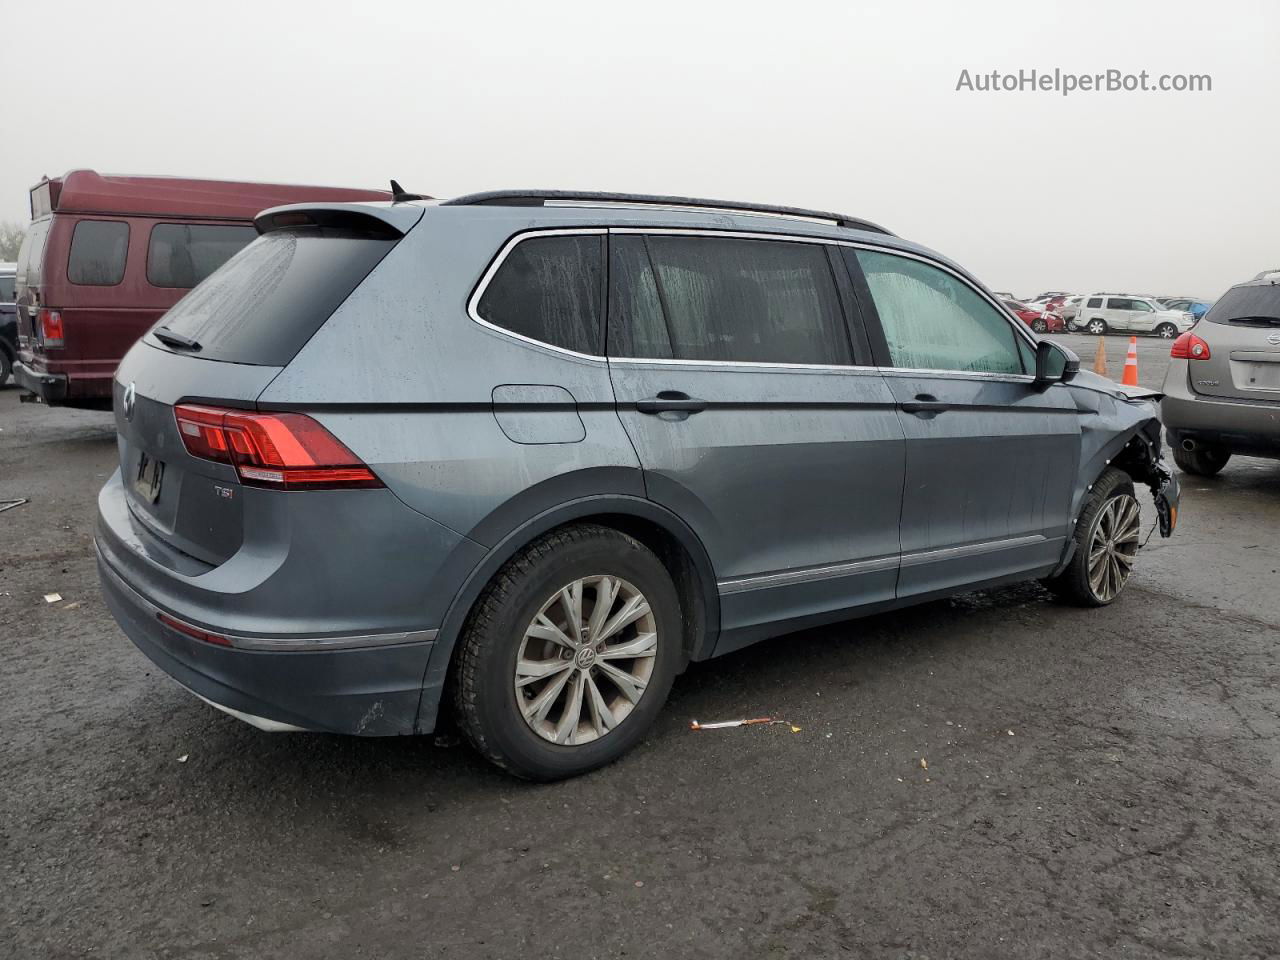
(1098, 783)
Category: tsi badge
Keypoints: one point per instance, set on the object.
(130, 400)
(226, 493)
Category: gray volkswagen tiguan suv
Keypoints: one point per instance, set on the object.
(530, 453)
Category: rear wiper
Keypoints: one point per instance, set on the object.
(165, 335)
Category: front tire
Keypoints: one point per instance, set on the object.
(1203, 461)
(1098, 328)
(569, 654)
(1106, 544)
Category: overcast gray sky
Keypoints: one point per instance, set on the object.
(846, 106)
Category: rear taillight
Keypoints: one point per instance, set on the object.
(284, 451)
(173, 623)
(1189, 347)
(51, 328)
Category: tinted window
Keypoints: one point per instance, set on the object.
(98, 251)
(1120, 303)
(934, 321)
(1095, 303)
(1250, 305)
(31, 253)
(549, 289)
(183, 254)
(712, 298)
(6, 289)
(268, 299)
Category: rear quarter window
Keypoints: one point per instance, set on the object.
(183, 254)
(268, 300)
(99, 249)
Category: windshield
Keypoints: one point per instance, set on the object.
(1258, 304)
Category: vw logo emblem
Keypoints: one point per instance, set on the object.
(1274, 339)
(130, 400)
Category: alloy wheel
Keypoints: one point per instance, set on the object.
(1113, 546)
(1168, 331)
(1097, 328)
(585, 660)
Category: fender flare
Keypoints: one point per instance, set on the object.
(464, 599)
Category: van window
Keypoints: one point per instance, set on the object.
(31, 253)
(183, 254)
(268, 300)
(725, 299)
(549, 289)
(932, 320)
(98, 251)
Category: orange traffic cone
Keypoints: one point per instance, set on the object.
(1130, 378)
(1100, 359)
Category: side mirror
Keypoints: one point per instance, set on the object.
(1054, 364)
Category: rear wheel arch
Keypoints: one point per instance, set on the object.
(661, 531)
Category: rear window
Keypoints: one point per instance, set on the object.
(267, 301)
(98, 252)
(31, 253)
(1248, 306)
(183, 254)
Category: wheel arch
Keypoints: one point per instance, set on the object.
(674, 542)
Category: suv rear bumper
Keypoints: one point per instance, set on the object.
(1244, 426)
(369, 691)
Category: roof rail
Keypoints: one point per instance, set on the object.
(1267, 273)
(542, 198)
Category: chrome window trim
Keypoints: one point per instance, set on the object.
(486, 278)
(831, 571)
(753, 365)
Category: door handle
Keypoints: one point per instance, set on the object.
(671, 401)
(925, 405)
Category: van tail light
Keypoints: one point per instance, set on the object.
(281, 451)
(51, 328)
(1189, 347)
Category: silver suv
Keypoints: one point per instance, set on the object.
(529, 454)
(1222, 388)
(1126, 313)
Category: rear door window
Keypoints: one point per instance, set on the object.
(1119, 303)
(726, 300)
(31, 253)
(1095, 303)
(267, 301)
(932, 320)
(550, 289)
(98, 252)
(183, 254)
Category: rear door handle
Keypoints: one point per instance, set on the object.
(671, 401)
(925, 404)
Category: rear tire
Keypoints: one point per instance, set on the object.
(1106, 542)
(1039, 326)
(544, 709)
(1166, 331)
(1203, 461)
(1097, 327)
(6, 368)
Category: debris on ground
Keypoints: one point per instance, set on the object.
(52, 598)
(755, 721)
(924, 764)
(10, 504)
(183, 758)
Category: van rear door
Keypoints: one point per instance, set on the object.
(28, 280)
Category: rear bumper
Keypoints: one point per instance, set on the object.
(1251, 428)
(49, 388)
(365, 690)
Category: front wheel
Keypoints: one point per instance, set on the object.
(569, 654)
(1166, 331)
(1097, 327)
(1106, 544)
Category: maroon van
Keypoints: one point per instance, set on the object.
(105, 256)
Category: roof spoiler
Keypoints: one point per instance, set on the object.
(390, 221)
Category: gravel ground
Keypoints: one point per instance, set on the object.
(1098, 783)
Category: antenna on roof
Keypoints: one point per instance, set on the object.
(398, 194)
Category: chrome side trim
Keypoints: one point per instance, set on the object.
(474, 300)
(242, 642)
(804, 575)
(969, 550)
(752, 365)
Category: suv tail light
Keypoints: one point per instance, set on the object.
(283, 451)
(51, 328)
(1189, 347)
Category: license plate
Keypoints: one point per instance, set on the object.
(147, 482)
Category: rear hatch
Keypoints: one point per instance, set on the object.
(1243, 334)
(214, 353)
